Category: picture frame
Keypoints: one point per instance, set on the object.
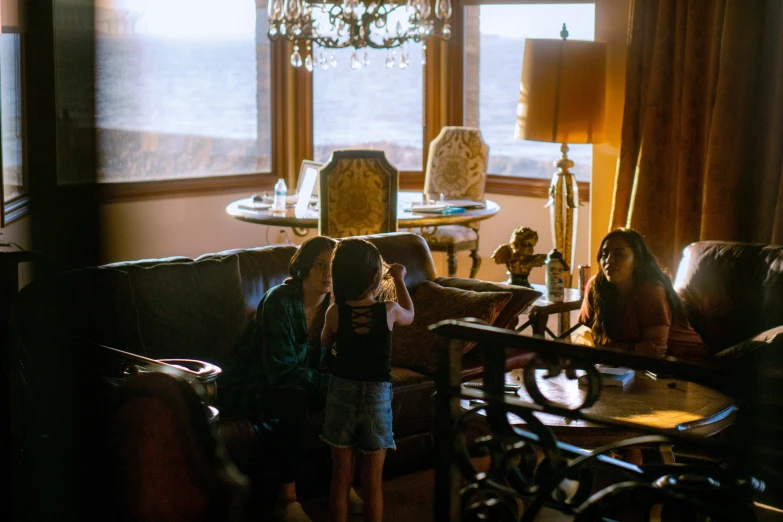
(308, 164)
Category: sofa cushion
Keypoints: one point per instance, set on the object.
(754, 370)
(415, 346)
(412, 402)
(98, 305)
(260, 269)
(189, 310)
(761, 355)
(410, 250)
(521, 297)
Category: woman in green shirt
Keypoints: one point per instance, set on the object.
(276, 370)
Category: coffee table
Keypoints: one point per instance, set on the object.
(660, 403)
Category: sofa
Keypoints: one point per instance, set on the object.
(733, 296)
(731, 291)
(182, 308)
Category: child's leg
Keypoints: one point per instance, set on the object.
(372, 476)
(342, 478)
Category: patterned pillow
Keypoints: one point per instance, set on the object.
(415, 346)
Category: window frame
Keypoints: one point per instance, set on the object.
(19, 205)
(292, 124)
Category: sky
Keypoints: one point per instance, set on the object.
(236, 18)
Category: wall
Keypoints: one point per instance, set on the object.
(611, 26)
(197, 225)
(18, 232)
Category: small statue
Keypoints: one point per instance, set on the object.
(518, 255)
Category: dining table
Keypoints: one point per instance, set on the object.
(243, 210)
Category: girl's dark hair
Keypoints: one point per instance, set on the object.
(357, 269)
(603, 294)
(304, 258)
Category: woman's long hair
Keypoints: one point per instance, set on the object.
(357, 270)
(303, 259)
(299, 268)
(603, 294)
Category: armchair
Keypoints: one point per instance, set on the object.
(456, 168)
(358, 194)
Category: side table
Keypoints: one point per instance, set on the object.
(542, 308)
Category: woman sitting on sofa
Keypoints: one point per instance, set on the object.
(276, 370)
(630, 305)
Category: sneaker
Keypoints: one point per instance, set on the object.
(292, 512)
(355, 503)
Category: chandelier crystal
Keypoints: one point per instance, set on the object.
(380, 24)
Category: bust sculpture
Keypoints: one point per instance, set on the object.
(518, 255)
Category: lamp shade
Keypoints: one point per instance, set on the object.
(561, 95)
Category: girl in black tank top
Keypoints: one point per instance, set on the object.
(358, 411)
(363, 348)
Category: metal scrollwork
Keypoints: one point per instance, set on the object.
(504, 471)
(555, 367)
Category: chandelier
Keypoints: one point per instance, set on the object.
(379, 24)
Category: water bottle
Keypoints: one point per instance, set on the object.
(280, 190)
(555, 276)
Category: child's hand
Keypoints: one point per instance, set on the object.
(397, 271)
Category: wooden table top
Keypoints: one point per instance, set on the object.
(405, 219)
(571, 301)
(646, 401)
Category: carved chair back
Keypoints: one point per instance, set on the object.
(358, 194)
(457, 164)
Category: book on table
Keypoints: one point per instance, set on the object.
(436, 208)
(613, 376)
(467, 204)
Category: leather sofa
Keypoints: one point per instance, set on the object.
(182, 308)
(733, 295)
(731, 291)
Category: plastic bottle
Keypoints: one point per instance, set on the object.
(280, 191)
(555, 276)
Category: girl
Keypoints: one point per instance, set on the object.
(358, 404)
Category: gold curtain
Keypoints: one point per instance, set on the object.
(701, 155)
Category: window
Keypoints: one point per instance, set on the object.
(182, 89)
(494, 46)
(14, 200)
(375, 106)
(14, 184)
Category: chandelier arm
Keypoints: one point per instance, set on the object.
(353, 27)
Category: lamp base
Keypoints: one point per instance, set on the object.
(563, 206)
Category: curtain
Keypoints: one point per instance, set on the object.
(701, 155)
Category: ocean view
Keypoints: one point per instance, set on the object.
(170, 108)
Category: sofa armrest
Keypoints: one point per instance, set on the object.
(521, 297)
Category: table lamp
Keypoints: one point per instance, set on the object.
(561, 100)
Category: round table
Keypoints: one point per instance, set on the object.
(660, 403)
(405, 218)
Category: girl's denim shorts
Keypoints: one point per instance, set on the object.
(358, 415)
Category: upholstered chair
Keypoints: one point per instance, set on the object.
(358, 194)
(456, 168)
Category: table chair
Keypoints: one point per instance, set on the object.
(358, 194)
(456, 168)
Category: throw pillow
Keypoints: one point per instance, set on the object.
(416, 347)
(521, 297)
